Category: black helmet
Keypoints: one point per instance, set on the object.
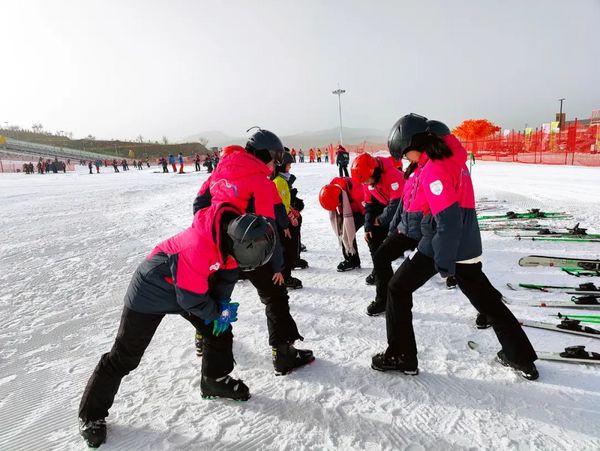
(286, 158)
(403, 131)
(265, 146)
(253, 240)
(438, 128)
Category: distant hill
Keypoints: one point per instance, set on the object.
(112, 148)
(319, 138)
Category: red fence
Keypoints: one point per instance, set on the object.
(573, 145)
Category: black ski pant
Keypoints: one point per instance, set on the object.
(343, 170)
(359, 221)
(392, 248)
(198, 166)
(291, 249)
(135, 333)
(414, 272)
(282, 327)
(378, 235)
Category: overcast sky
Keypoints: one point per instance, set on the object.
(118, 69)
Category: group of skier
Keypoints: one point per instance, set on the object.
(247, 216)
(430, 210)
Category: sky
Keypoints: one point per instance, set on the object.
(120, 69)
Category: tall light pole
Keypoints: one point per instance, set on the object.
(560, 114)
(338, 92)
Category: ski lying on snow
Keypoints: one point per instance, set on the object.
(575, 232)
(567, 326)
(561, 239)
(571, 354)
(534, 213)
(565, 304)
(584, 288)
(562, 262)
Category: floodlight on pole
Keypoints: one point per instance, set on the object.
(338, 92)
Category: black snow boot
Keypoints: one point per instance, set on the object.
(370, 280)
(224, 387)
(376, 308)
(382, 362)
(291, 283)
(528, 370)
(198, 339)
(302, 248)
(287, 358)
(451, 282)
(481, 322)
(93, 432)
(300, 264)
(348, 265)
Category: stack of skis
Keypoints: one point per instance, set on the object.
(584, 296)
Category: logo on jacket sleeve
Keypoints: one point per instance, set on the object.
(395, 186)
(214, 267)
(436, 187)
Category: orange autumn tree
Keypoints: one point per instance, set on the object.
(475, 129)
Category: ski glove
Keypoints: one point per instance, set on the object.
(228, 315)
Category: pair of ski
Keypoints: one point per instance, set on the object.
(587, 296)
(573, 266)
(575, 233)
(534, 213)
(571, 354)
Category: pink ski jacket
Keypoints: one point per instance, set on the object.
(242, 180)
(187, 272)
(382, 198)
(450, 230)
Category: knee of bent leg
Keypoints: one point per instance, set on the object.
(121, 363)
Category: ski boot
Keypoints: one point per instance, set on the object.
(376, 308)
(302, 248)
(93, 432)
(300, 264)
(199, 344)
(291, 283)
(347, 265)
(383, 362)
(528, 370)
(224, 387)
(481, 322)
(451, 282)
(370, 280)
(286, 358)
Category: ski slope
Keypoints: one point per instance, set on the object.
(71, 243)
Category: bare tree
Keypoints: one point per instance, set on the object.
(202, 140)
(140, 138)
(165, 141)
(90, 138)
(37, 128)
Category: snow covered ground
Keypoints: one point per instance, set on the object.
(71, 242)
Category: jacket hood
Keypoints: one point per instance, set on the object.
(459, 153)
(242, 163)
(207, 221)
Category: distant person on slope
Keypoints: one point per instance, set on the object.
(172, 162)
(342, 160)
(451, 245)
(180, 159)
(191, 274)
(344, 200)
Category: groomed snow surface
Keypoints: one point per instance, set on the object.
(70, 244)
